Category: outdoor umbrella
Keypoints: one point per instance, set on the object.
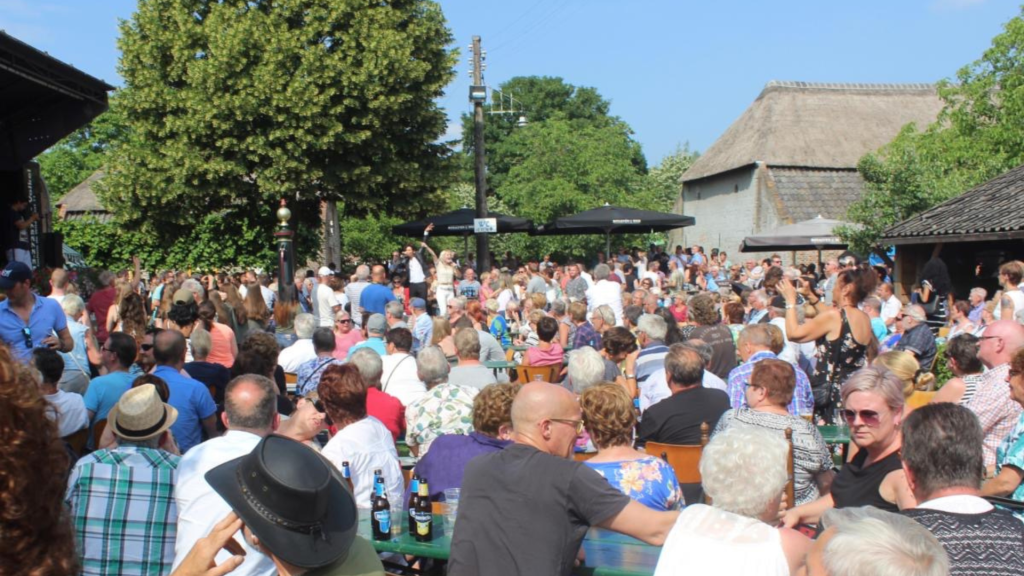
(459, 223)
(610, 220)
(814, 234)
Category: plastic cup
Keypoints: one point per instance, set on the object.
(451, 506)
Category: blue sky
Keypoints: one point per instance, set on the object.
(677, 71)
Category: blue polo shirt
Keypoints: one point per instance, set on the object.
(46, 318)
(374, 297)
(192, 400)
(104, 392)
(373, 343)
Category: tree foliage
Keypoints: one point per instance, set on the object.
(77, 156)
(978, 135)
(231, 105)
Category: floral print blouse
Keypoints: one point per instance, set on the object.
(650, 481)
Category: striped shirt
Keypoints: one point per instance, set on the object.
(995, 409)
(651, 359)
(123, 510)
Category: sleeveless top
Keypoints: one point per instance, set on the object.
(837, 360)
(572, 329)
(706, 540)
(856, 485)
(987, 543)
(971, 382)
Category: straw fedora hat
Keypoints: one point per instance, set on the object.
(140, 414)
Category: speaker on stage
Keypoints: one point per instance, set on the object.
(51, 249)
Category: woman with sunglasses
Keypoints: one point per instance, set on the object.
(345, 336)
(873, 407)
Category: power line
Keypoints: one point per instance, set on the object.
(516, 20)
(543, 20)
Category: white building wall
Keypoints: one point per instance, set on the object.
(725, 206)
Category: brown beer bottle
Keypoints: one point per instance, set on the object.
(424, 515)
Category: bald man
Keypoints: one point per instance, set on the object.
(250, 414)
(376, 295)
(991, 402)
(525, 510)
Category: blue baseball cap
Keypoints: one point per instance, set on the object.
(14, 273)
(418, 303)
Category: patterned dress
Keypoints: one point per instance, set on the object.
(837, 360)
(1011, 452)
(650, 481)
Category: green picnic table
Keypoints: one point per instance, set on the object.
(499, 364)
(837, 435)
(607, 553)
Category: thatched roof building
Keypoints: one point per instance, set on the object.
(81, 202)
(792, 155)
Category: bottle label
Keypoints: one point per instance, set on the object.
(423, 522)
(383, 518)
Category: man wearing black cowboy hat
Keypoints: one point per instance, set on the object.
(295, 510)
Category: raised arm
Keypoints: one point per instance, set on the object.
(811, 329)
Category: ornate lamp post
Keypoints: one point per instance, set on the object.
(285, 252)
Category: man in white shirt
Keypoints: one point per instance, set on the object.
(891, 306)
(325, 303)
(250, 414)
(417, 274)
(302, 350)
(68, 407)
(604, 291)
(399, 377)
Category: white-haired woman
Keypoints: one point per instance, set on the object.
(873, 407)
(76, 363)
(743, 470)
(447, 272)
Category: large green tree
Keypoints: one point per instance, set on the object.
(978, 135)
(233, 104)
(77, 156)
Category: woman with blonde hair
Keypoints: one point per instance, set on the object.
(113, 320)
(504, 291)
(905, 367)
(441, 336)
(447, 272)
(496, 324)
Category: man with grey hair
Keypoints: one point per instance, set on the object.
(354, 290)
(379, 404)
(446, 408)
(871, 542)
(605, 292)
(586, 368)
(301, 351)
(944, 464)
(197, 290)
(650, 362)
(394, 315)
(754, 345)
(831, 274)
(250, 414)
(469, 372)
(918, 338)
(758, 301)
(456, 309)
(325, 302)
(977, 300)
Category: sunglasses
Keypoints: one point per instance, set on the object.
(323, 410)
(870, 418)
(146, 347)
(26, 332)
(347, 321)
(577, 424)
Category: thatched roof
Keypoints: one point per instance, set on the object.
(810, 125)
(81, 201)
(990, 211)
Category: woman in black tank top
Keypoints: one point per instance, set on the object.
(873, 407)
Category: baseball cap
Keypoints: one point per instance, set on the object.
(183, 296)
(324, 271)
(376, 324)
(14, 273)
(418, 303)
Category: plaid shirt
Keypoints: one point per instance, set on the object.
(123, 510)
(587, 336)
(803, 399)
(995, 409)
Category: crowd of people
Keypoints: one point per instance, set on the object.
(177, 422)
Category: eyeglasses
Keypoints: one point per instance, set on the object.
(105, 349)
(577, 424)
(988, 337)
(870, 418)
(146, 347)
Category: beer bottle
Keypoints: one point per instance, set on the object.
(380, 519)
(410, 508)
(424, 515)
(378, 478)
(346, 473)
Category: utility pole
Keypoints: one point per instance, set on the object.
(477, 95)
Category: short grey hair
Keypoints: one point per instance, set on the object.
(869, 541)
(980, 291)
(873, 303)
(459, 303)
(916, 312)
(432, 366)
(743, 469)
(362, 272)
(652, 325)
(305, 325)
(370, 366)
(601, 272)
(606, 314)
(201, 343)
(73, 305)
(586, 368)
(395, 309)
(701, 347)
(193, 286)
(558, 307)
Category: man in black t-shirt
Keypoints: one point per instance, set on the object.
(524, 510)
(677, 419)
